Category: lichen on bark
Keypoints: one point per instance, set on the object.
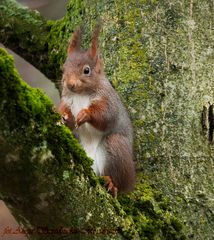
(167, 100)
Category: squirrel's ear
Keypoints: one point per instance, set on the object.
(74, 43)
(94, 43)
(99, 64)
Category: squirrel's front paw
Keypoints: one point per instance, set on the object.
(64, 119)
(82, 117)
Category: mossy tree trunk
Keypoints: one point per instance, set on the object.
(160, 57)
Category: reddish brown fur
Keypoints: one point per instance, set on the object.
(68, 118)
(97, 111)
(83, 117)
(110, 186)
(95, 115)
(75, 41)
(99, 65)
(95, 41)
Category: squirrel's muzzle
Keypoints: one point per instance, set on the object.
(71, 86)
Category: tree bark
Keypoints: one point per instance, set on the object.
(159, 55)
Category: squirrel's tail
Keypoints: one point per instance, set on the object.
(119, 163)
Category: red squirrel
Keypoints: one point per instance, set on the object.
(92, 109)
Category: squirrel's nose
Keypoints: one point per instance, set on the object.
(71, 86)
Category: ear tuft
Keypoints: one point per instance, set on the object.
(94, 43)
(99, 64)
(75, 41)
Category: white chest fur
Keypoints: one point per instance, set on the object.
(90, 138)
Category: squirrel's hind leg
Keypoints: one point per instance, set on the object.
(110, 186)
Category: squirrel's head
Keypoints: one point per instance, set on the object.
(82, 70)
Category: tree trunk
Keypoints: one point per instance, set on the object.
(159, 55)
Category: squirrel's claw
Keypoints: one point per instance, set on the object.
(76, 125)
(64, 119)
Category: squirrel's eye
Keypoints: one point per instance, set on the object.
(87, 70)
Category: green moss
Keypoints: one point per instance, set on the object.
(151, 213)
(26, 104)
